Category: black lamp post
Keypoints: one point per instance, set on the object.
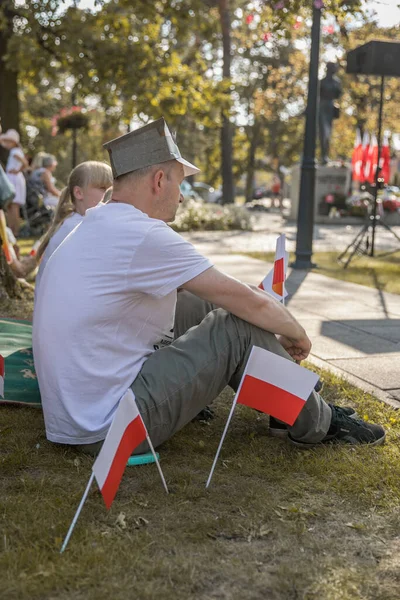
(305, 218)
(74, 136)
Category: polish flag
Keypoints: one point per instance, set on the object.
(357, 158)
(372, 161)
(384, 161)
(365, 150)
(35, 248)
(127, 431)
(2, 372)
(274, 281)
(275, 385)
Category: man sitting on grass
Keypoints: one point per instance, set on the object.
(108, 316)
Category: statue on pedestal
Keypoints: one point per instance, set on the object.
(329, 91)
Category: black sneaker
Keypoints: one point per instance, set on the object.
(205, 415)
(345, 429)
(318, 386)
(280, 430)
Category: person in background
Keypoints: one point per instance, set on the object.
(276, 190)
(20, 266)
(43, 179)
(86, 187)
(16, 164)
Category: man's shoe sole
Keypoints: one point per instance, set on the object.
(278, 432)
(305, 446)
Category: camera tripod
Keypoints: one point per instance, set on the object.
(364, 242)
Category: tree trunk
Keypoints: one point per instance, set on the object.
(9, 285)
(228, 193)
(251, 159)
(9, 102)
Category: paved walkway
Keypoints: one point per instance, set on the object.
(355, 330)
(268, 225)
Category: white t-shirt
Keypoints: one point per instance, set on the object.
(65, 229)
(12, 162)
(106, 300)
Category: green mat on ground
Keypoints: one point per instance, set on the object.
(20, 381)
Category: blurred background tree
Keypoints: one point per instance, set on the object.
(226, 74)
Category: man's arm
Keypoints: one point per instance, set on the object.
(252, 305)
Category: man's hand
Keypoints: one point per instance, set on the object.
(298, 350)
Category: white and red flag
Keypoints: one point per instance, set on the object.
(384, 161)
(274, 281)
(274, 385)
(2, 373)
(371, 160)
(357, 158)
(126, 433)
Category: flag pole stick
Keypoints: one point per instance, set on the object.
(222, 439)
(229, 420)
(157, 462)
(74, 520)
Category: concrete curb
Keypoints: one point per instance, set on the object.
(356, 381)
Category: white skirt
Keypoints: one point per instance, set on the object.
(18, 181)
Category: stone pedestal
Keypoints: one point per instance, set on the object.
(328, 180)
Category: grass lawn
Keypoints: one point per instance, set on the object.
(276, 523)
(379, 273)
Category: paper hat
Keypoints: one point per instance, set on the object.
(11, 135)
(149, 145)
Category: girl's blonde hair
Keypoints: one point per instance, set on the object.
(89, 173)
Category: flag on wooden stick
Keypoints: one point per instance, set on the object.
(126, 433)
(274, 385)
(274, 281)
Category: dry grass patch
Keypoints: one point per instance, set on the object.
(277, 523)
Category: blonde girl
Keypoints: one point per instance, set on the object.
(86, 187)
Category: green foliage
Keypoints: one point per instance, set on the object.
(133, 61)
(194, 216)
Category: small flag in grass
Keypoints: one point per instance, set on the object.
(274, 385)
(274, 281)
(126, 433)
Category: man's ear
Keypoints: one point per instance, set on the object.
(77, 192)
(158, 179)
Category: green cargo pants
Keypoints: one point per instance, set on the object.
(209, 351)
